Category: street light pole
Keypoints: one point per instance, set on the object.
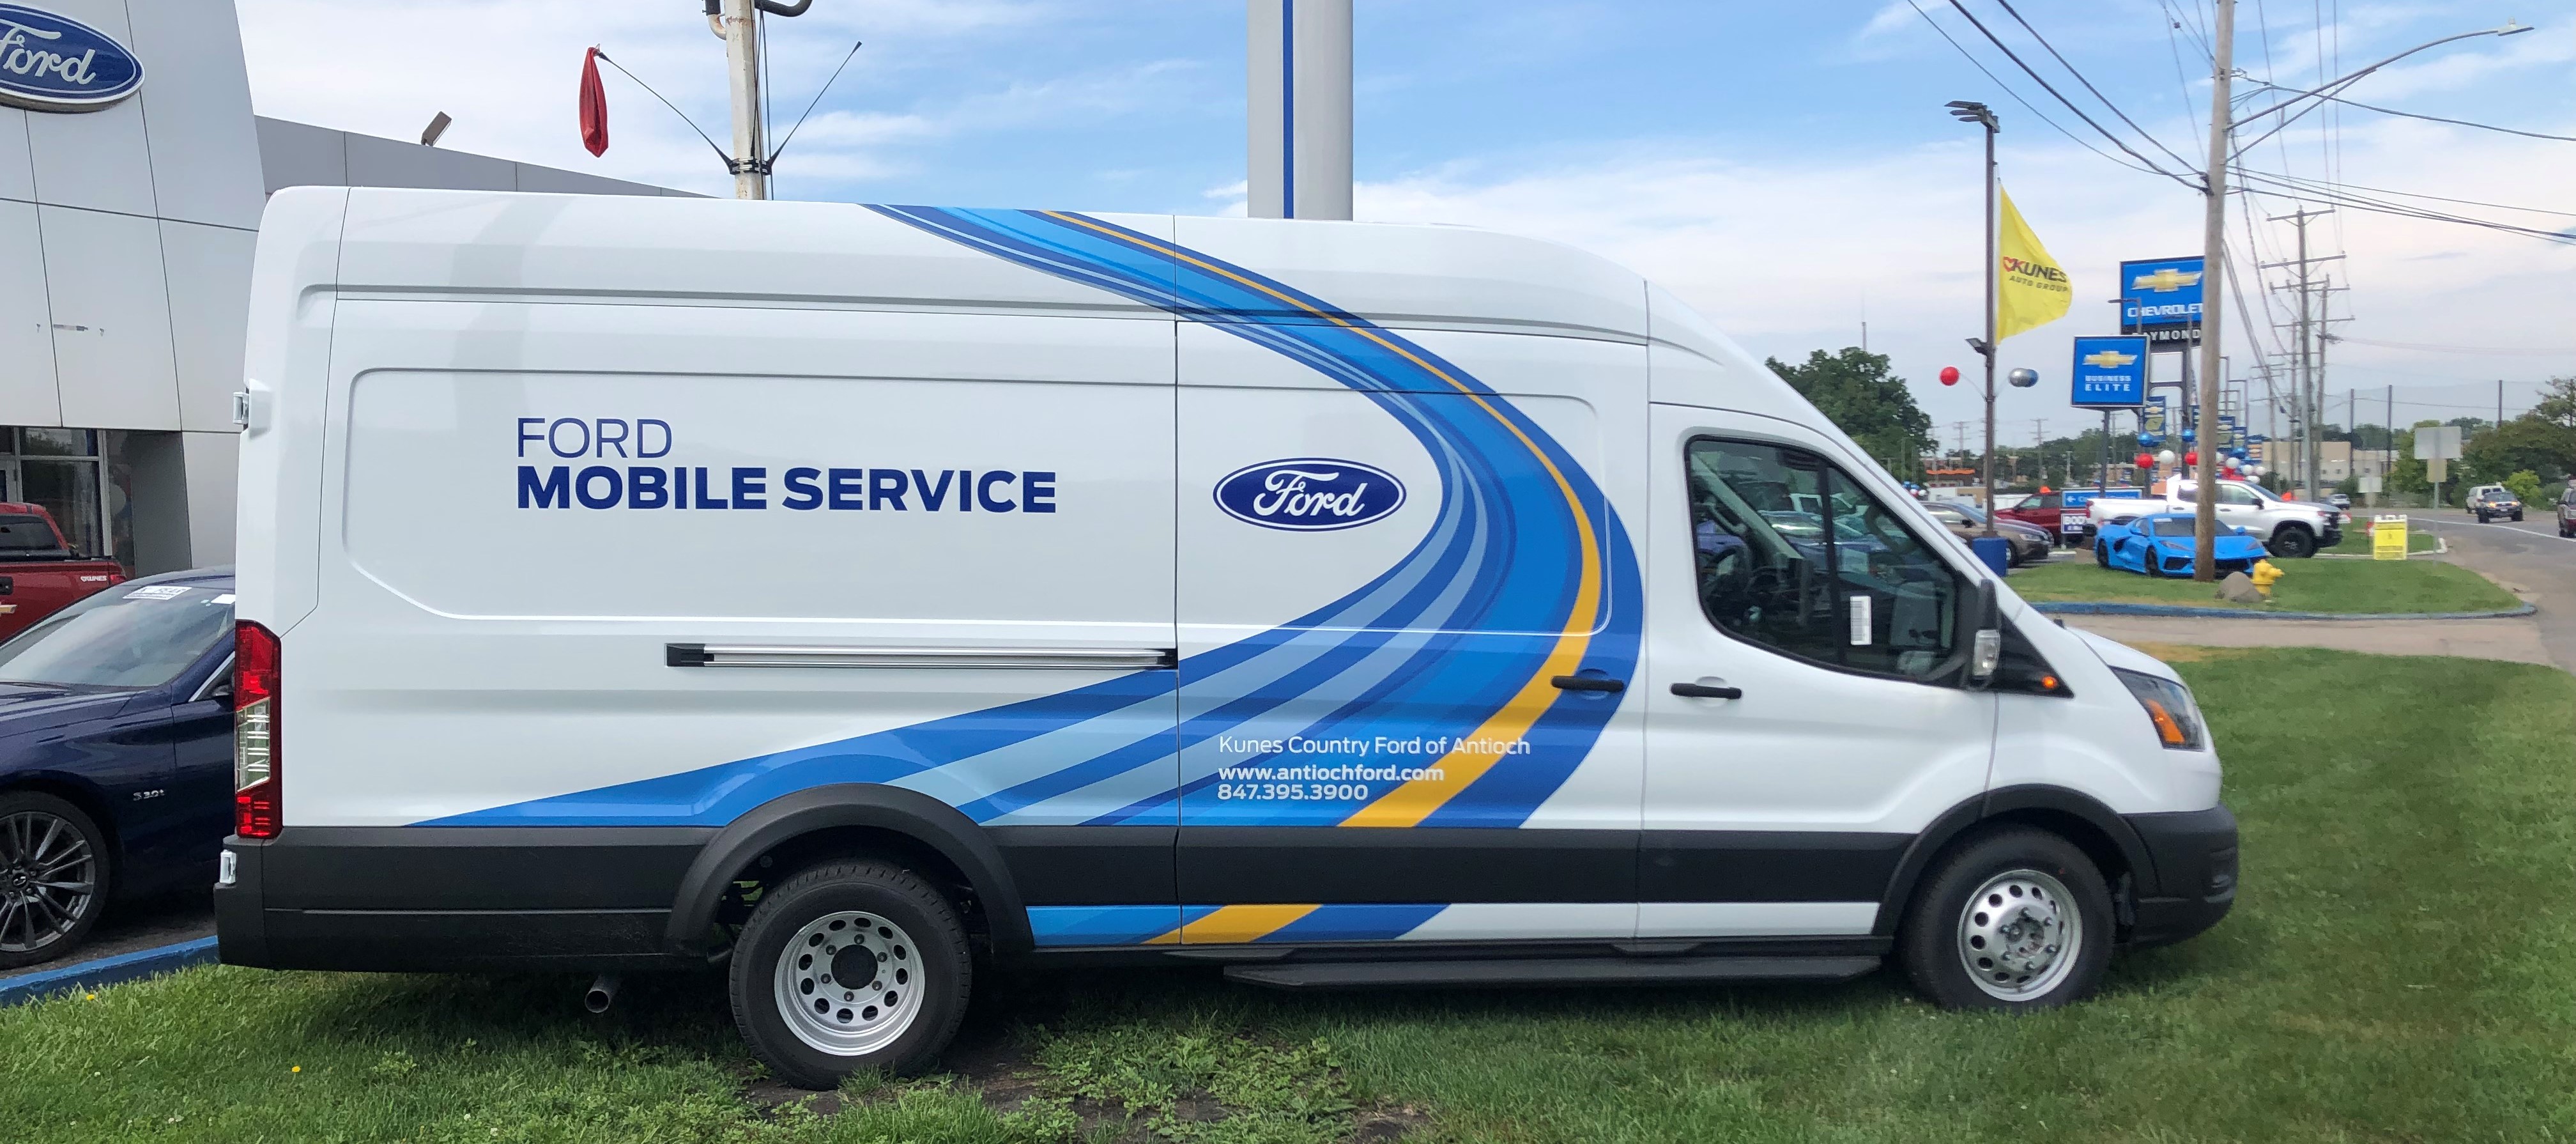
(1969, 111)
(2213, 242)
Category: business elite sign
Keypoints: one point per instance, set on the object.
(2110, 373)
(55, 63)
(2160, 298)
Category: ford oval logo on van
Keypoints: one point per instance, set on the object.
(55, 63)
(1309, 494)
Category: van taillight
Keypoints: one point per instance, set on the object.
(255, 778)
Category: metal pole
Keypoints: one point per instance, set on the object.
(2204, 563)
(742, 64)
(1993, 255)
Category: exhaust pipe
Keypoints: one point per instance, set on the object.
(602, 994)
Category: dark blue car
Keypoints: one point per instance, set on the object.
(116, 754)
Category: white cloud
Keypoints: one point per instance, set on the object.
(1790, 256)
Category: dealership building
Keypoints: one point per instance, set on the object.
(132, 174)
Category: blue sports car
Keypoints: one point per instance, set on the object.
(2161, 545)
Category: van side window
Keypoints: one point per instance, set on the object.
(1797, 557)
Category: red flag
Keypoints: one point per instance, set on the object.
(594, 106)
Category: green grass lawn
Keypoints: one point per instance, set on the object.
(2355, 542)
(2401, 966)
(2305, 586)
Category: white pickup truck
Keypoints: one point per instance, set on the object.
(2293, 529)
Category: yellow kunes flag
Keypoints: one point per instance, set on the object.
(2030, 288)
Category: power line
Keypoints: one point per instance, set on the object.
(2115, 140)
(2435, 118)
(2421, 195)
(2423, 347)
(2380, 206)
(2016, 96)
(2143, 133)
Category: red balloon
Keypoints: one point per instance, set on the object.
(1949, 375)
(2191, 458)
(2146, 460)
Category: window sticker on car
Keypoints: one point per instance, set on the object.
(158, 592)
(1859, 619)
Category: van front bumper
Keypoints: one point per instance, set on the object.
(2194, 880)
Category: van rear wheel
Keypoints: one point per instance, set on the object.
(2018, 919)
(846, 966)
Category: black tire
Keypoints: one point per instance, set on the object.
(2101, 554)
(2517, 518)
(1932, 943)
(47, 840)
(940, 973)
(2294, 543)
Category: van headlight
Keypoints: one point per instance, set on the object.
(2169, 707)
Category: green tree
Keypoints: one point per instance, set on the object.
(2558, 402)
(2543, 447)
(1855, 391)
(2525, 486)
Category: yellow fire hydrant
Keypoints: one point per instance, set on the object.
(2264, 574)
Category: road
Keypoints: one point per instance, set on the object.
(2529, 555)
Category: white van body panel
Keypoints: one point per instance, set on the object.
(1299, 567)
(286, 351)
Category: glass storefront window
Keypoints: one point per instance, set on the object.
(68, 488)
(39, 442)
(60, 469)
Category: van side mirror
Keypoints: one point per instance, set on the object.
(1986, 647)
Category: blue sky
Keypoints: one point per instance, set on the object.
(1787, 168)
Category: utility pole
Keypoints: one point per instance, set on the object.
(738, 21)
(2309, 375)
(2213, 242)
(750, 161)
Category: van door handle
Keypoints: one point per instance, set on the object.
(1704, 691)
(1588, 683)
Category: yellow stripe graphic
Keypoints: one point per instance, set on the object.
(1234, 925)
(1411, 802)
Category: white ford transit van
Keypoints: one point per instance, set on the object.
(853, 596)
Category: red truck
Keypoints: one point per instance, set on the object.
(39, 573)
(2044, 510)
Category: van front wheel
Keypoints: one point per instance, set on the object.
(2018, 919)
(846, 966)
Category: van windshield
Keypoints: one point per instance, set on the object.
(129, 636)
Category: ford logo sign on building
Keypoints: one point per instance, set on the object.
(55, 63)
(1309, 494)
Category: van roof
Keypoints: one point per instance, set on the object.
(723, 251)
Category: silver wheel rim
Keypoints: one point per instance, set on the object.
(826, 1002)
(48, 880)
(2020, 935)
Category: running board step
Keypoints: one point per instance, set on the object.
(1548, 971)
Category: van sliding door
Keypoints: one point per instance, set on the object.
(1394, 545)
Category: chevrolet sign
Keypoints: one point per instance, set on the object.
(2161, 298)
(2110, 373)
